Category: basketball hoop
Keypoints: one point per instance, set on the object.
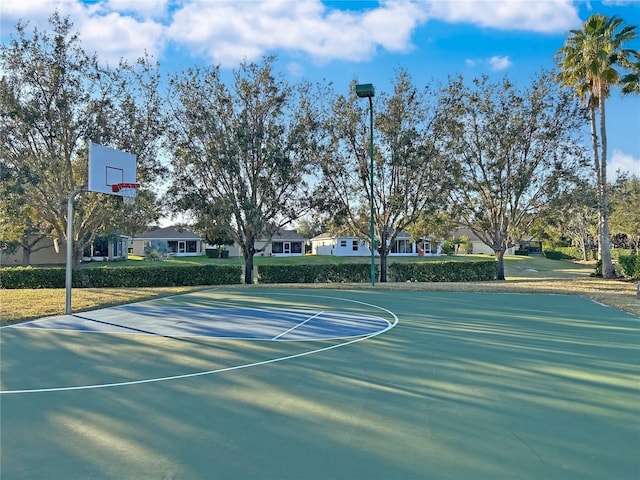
(127, 191)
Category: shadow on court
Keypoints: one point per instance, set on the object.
(464, 386)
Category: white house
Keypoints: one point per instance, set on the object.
(183, 243)
(346, 244)
(285, 243)
(186, 243)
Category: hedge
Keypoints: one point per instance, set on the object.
(103, 277)
(570, 252)
(327, 273)
(162, 276)
(399, 272)
(28, 277)
(630, 266)
(445, 271)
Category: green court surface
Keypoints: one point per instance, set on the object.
(258, 383)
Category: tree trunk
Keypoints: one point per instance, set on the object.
(248, 251)
(248, 269)
(605, 241)
(499, 254)
(585, 251)
(383, 264)
(26, 251)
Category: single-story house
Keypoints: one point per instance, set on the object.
(479, 247)
(347, 244)
(285, 243)
(188, 243)
(53, 251)
(181, 243)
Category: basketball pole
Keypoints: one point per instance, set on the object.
(69, 268)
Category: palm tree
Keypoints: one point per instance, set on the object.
(589, 63)
(631, 81)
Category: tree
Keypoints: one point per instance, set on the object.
(436, 226)
(55, 99)
(575, 214)
(625, 213)
(589, 64)
(240, 154)
(509, 151)
(631, 81)
(406, 164)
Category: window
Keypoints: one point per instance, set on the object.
(354, 245)
(276, 247)
(296, 247)
(343, 243)
(401, 246)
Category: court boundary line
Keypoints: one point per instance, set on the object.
(390, 325)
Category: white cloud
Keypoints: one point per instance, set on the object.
(109, 33)
(495, 63)
(228, 32)
(544, 16)
(499, 63)
(145, 9)
(116, 36)
(623, 162)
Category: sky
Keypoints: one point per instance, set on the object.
(340, 41)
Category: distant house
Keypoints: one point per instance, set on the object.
(181, 243)
(188, 243)
(53, 251)
(285, 243)
(478, 245)
(345, 244)
(114, 247)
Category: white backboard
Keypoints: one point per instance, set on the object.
(108, 166)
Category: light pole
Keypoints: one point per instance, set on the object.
(366, 90)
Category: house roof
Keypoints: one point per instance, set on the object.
(333, 236)
(348, 236)
(168, 233)
(288, 235)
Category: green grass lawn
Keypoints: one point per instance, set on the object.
(295, 260)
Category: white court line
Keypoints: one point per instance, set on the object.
(390, 325)
(298, 325)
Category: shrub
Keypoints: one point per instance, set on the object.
(522, 252)
(570, 252)
(29, 277)
(445, 271)
(630, 266)
(554, 255)
(157, 250)
(616, 253)
(108, 277)
(334, 273)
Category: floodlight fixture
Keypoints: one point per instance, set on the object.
(365, 90)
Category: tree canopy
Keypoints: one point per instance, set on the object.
(407, 167)
(55, 99)
(509, 150)
(240, 152)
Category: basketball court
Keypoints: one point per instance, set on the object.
(268, 383)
